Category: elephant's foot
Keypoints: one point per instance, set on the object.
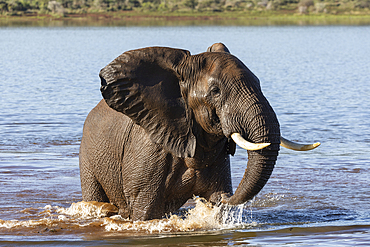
(124, 213)
(218, 198)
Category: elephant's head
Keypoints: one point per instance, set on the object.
(188, 103)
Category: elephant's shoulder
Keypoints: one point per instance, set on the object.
(103, 112)
(104, 117)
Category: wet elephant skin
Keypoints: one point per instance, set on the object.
(162, 132)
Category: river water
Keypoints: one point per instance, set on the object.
(316, 79)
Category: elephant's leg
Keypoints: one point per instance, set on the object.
(101, 157)
(112, 192)
(99, 182)
(91, 188)
(146, 197)
(113, 185)
(145, 169)
(215, 180)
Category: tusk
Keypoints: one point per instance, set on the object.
(296, 146)
(238, 139)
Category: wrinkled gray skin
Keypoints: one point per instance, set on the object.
(162, 132)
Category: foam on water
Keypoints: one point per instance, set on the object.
(204, 216)
(88, 210)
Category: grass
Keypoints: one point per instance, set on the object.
(142, 18)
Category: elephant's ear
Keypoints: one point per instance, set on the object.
(144, 85)
(218, 47)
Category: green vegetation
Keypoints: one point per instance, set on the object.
(165, 12)
(62, 7)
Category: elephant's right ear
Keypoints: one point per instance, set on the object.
(144, 85)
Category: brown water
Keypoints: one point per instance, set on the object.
(316, 78)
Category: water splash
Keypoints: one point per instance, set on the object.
(203, 216)
(236, 216)
(89, 210)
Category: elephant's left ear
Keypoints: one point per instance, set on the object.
(218, 47)
(144, 85)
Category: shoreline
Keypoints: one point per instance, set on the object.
(138, 18)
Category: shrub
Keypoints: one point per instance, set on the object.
(192, 4)
(56, 7)
(362, 4)
(3, 7)
(306, 3)
(15, 6)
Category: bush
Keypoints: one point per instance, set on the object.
(3, 7)
(18, 7)
(15, 6)
(56, 7)
(191, 4)
(148, 6)
(210, 5)
(362, 4)
(306, 3)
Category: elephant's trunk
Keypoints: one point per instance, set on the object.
(260, 166)
(260, 126)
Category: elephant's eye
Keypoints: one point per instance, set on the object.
(215, 91)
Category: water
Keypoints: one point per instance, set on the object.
(316, 79)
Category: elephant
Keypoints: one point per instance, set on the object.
(166, 127)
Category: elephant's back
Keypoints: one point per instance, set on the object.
(102, 114)
(102, 117)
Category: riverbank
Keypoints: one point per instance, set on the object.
(139, 18)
